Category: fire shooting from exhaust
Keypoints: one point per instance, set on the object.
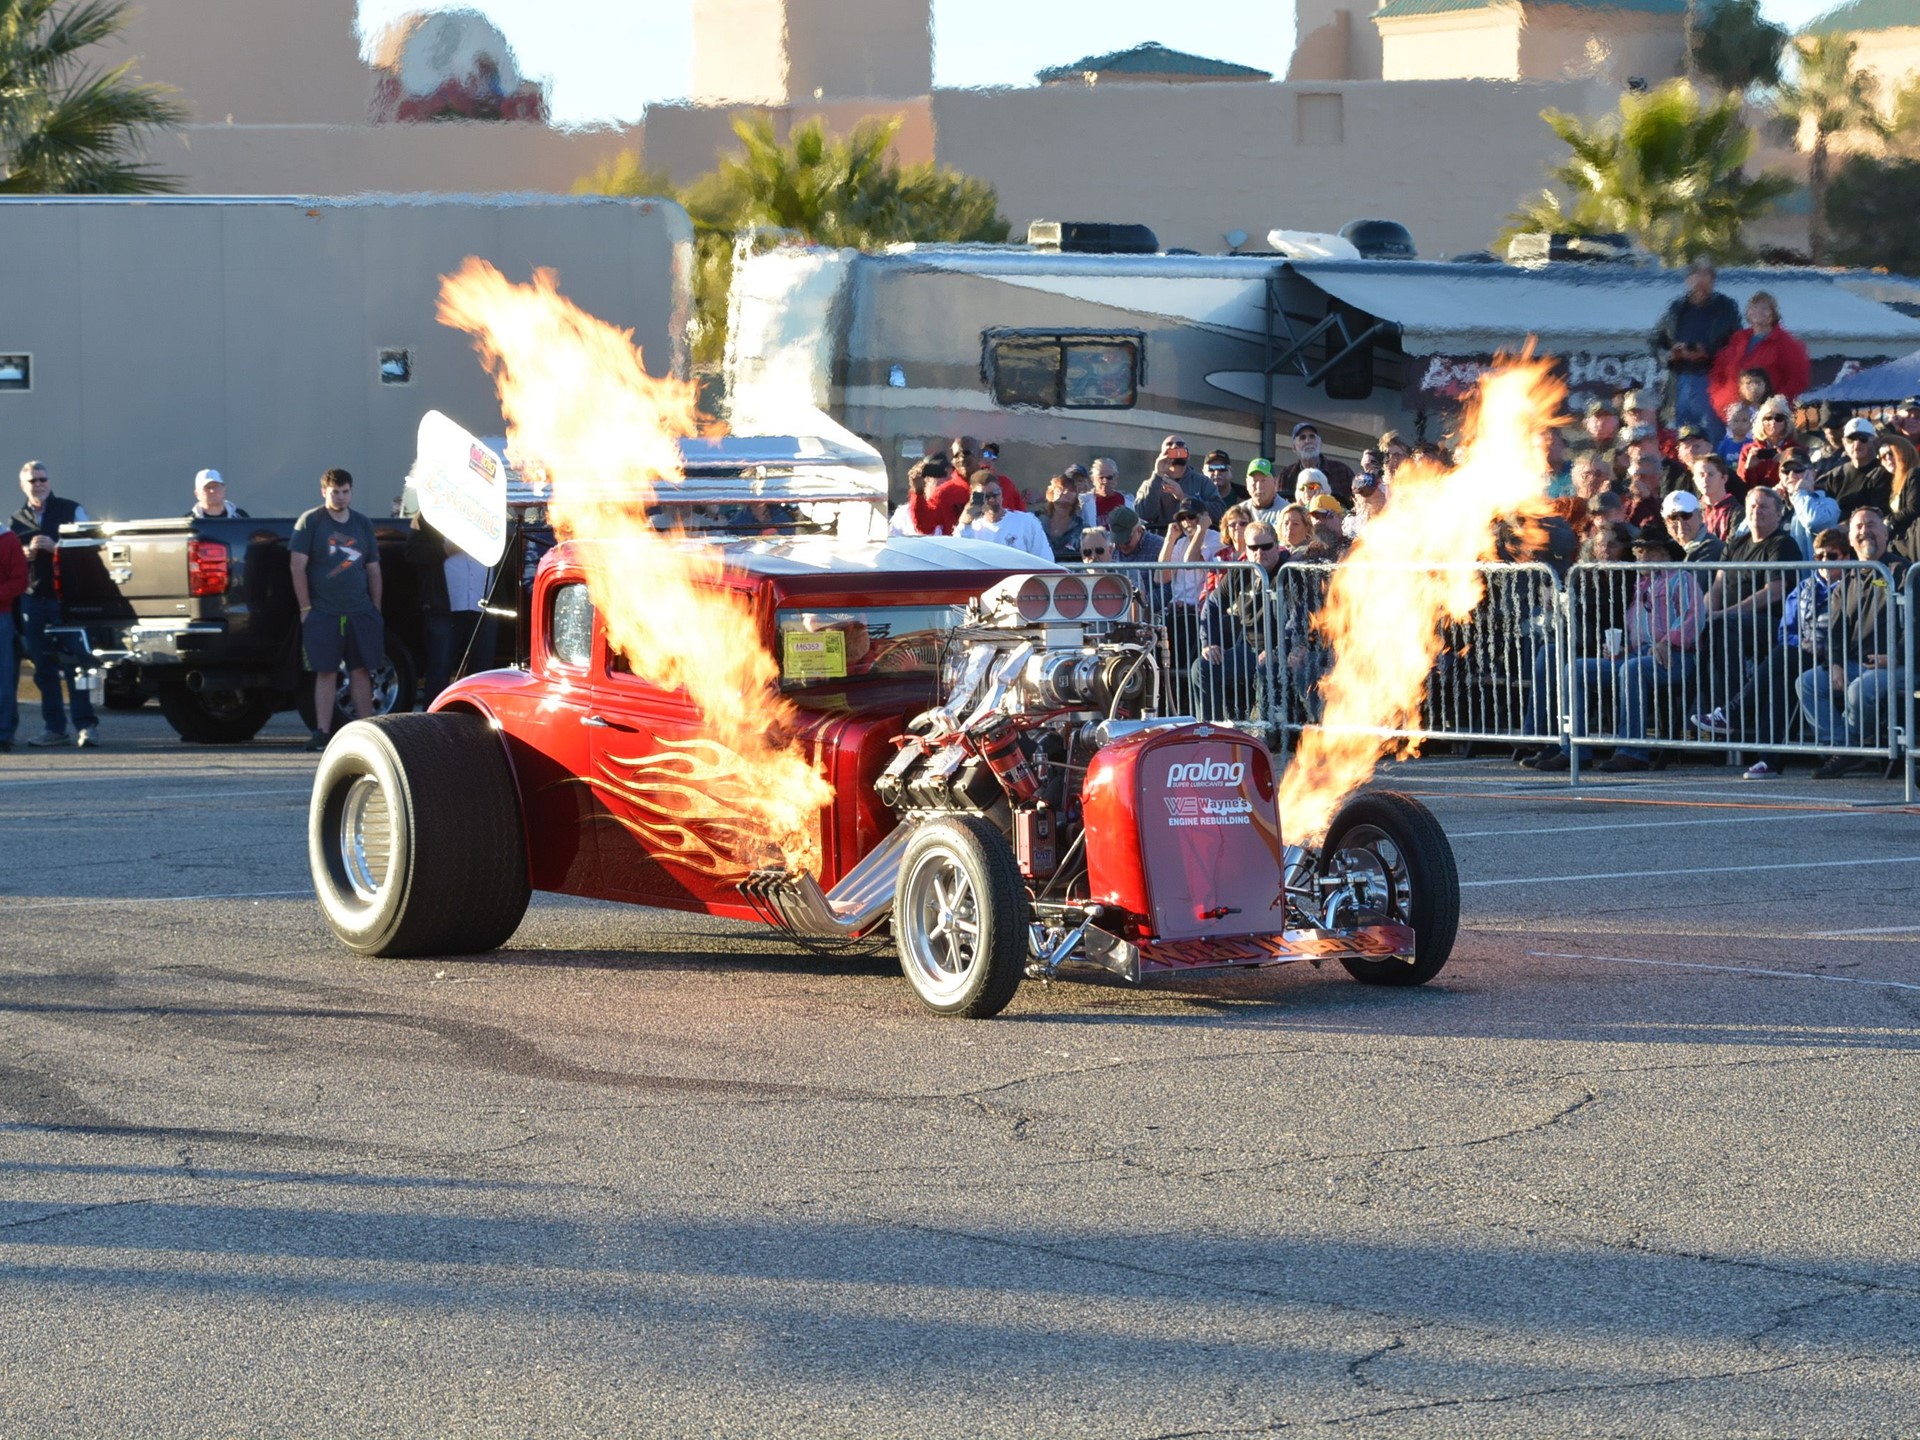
(1412, 571)
(582, 410)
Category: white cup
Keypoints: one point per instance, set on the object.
(1616, 643)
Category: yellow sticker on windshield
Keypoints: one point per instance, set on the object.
(820, 655)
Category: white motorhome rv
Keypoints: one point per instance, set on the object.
(1060, 357)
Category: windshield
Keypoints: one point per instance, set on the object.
(826, 647)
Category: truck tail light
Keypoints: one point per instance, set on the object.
(56, 573)
(206, 567)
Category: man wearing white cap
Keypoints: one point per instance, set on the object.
(210, 499)
(1681, 512)
(1861, 481)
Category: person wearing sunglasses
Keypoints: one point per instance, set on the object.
(1809, 508)
(1845, 701)
(1860, 481)
(1227, 492)
(1241, 630)
(1096, 546)
(1172, 484)
(1759, 711)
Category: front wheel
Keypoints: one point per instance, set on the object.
(1392, 843)
(414, 837)
(960, 918)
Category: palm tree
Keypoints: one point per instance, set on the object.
(1827, 99)
(819, 188)
(1669, 170)
(66, 129)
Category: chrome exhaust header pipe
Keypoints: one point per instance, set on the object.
(853, 907)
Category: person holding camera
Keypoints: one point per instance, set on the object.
(988, 518)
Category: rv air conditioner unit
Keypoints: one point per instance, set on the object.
(1542, 246)
(1092, 237)
(1380, 239)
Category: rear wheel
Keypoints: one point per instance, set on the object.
(414, 837)
(215, 717)
(960, 918)
(1392, 843)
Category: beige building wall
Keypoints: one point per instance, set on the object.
(777, 52)
(686, 140)
(257, 61)
(739, 52)
(449, 157)
(1467, 45)
(1449, 160)
(1892, 57)
(1565, 40)
(1335, 40)
(848, 49)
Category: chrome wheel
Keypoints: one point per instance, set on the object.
(1380, 881)
(385, 679)
(366, 837)
(939, 924)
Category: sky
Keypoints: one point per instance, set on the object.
(607, 60)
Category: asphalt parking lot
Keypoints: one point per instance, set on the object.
(1640, 1161)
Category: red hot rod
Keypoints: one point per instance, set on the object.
(1006, 798)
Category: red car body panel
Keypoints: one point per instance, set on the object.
(596, 751)
(1183, 829)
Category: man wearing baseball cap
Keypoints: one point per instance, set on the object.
(1860, 481)
(1308, 456)
(1681, 513)
(210, 499)
(1263, 494)
(1906, 418)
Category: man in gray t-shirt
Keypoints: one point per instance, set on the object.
(336, 579)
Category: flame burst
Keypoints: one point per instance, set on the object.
(582, 410)
(1412, 571)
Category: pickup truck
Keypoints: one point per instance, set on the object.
(200, 613)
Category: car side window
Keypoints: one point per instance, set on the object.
(572, 627)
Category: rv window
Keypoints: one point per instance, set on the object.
(1056, 371)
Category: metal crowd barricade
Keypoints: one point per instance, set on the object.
(1496, 676)
(1909, 623)
(1235, 686)
(1732, 657)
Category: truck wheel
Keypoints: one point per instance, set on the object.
(214, 717)
(960, 918)
(395, 686)
(414, 837)
(1397, 844)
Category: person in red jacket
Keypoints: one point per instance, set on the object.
(1766, 345)
(13, 584)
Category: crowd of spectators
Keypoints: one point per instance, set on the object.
(1688, 492)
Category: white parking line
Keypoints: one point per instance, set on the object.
(1726, 969)
(1772, 817)
(120, 777)
(1692, 870)
(1870, 930)
(196, 794)
(8, 907)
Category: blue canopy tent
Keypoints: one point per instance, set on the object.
(1876, 385)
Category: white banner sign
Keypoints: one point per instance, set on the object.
(462, 485)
